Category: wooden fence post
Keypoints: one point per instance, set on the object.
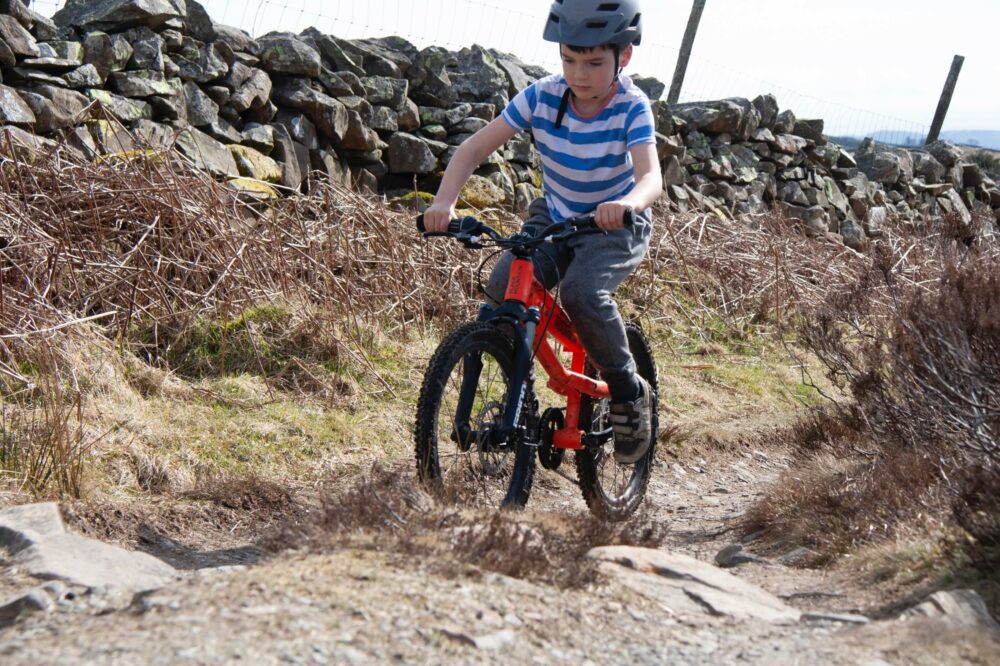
(945, 101)
(685, 54)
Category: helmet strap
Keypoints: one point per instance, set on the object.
(618, 65)
(563, 105)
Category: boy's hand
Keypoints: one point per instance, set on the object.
(437, 217)
(610, 215)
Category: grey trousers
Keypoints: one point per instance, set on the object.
(587, 268)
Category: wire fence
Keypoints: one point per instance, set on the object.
(515, 28)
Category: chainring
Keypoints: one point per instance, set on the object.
(551, 421)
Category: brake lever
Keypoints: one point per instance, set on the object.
(563, 235)
(472, 242)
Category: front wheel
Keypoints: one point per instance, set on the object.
(459, 414)
(614, 491)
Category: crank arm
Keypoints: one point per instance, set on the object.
(595, 439)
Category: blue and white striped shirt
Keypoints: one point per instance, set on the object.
(586, 161)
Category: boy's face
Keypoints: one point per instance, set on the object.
(590, 74)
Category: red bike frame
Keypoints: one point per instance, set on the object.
(524, 288)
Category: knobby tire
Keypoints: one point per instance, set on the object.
(589, 462)
(434, 434)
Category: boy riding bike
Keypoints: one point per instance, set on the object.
(594, 130)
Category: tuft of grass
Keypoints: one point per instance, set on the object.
(977, 510)
(761, 381)
(262, 340)
(389, 511)
(835, 505)
(988, 162)
(44, 443)
(246, 493)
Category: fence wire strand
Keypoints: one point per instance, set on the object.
(456, 24)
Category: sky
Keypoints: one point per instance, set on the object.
(862, 65)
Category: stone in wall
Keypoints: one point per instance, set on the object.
(89, 15)
(385, 113)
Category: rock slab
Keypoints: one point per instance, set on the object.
(37, 542)
(957, 607)
(679, 579)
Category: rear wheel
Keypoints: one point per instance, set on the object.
(614, 491)
(459, 414)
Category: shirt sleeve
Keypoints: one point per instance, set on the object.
(639, 126)
(520, 110)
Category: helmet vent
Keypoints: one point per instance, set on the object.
(635, 21)
(599, 25)
(553, 18)
(609, 7)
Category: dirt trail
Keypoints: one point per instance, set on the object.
(358, 606)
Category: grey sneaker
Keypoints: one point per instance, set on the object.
(632, 425)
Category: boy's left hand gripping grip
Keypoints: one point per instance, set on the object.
(453, 227)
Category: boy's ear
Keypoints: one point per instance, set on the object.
(626, 56)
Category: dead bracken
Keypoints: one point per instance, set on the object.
(389, 511)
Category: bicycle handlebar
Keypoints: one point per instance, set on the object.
(468, 229)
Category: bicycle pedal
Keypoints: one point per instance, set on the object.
(595, 439)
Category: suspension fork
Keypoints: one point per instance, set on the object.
(472, 369)
(523, 323)
(521, 375)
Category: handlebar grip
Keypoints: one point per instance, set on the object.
(588, 221)
(454, 226)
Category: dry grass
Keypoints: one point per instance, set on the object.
(45, 438)
(149, 256)
(913, 343)
(193, 285)
(834, 504)
(920, 357)
(153, 257)
(703, 269)
(388, 510)
(145, 245)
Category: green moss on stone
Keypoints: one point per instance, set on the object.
(480, 193)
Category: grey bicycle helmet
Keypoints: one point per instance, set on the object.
(590, 23)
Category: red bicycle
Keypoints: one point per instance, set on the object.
(478, 422)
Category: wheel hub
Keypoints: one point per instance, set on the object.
(492, 454)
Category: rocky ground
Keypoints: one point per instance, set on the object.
(230, 602)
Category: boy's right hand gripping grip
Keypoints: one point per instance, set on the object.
(628, 219)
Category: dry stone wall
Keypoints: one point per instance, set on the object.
(381, 114)
(739, 156)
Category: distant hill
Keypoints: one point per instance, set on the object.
(982, 138)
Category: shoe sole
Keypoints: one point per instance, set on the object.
(632, 458)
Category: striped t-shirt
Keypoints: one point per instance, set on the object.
(586, 161)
